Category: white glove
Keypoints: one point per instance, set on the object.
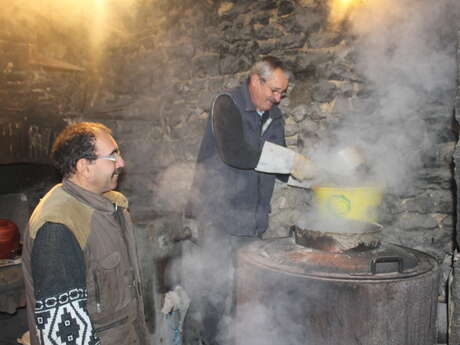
(303, 168)
(281, 160)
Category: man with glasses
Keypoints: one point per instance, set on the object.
(242, 152)
(80, 261)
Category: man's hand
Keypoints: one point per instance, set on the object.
(303, 168)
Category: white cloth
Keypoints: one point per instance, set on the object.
(275, 159)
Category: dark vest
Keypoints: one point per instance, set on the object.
(234, 200)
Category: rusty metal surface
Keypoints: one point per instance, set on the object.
(277, 303)
(338, 242)
(384, 262)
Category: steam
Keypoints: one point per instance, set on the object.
(405, 63)
(89, 22)
(406, 54)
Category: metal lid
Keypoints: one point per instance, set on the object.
(385, 262)
(366, 238)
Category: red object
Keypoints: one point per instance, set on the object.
(9, 239)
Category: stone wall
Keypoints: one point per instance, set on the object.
(157, 74)
(162, 81)
(457, 151)
(164, 78)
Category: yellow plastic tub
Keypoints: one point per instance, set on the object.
(360, 203)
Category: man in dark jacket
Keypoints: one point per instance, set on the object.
(241, 152)
(80, 262)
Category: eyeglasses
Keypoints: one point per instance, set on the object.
(274, 90)
(112, 157)
(280, 93)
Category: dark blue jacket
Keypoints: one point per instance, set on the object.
(227, 191)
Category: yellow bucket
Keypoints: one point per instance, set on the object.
(360, 203)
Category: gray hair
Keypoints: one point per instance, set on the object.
(265, 67)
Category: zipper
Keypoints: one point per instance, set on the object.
(98, 293)
(111, 325)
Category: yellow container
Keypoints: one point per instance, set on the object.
(360, 203)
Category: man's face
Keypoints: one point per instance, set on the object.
(105, 169)
(265, 93)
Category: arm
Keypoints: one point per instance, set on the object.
(228, 131)
(236, 152)
(58, 273)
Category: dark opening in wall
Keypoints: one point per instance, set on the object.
(21, 187)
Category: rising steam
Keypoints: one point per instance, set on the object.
(405, 53)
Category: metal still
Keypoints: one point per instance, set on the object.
(293, 295)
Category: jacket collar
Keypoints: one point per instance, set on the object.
(248, 105)
(91, 199)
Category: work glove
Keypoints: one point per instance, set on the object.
(303, 168)
(282, 160)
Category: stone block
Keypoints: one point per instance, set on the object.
(292, 141)
(432, 201)
(264, 32)
(205, 65)
(307, 3)
(342, 105)
(324, 39)
(311, 60)
(309, 21)
(149, 156)
(309, 127)
(290, 127)
(126, 131)
(188, 129)
(268, 46)
(415, 221)
(234, 64)
(292, 41)
(324, 91)
(224, 8)
(434, 179)
(300, 112)
(262, 18)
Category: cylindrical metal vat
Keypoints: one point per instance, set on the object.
(291, 295)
